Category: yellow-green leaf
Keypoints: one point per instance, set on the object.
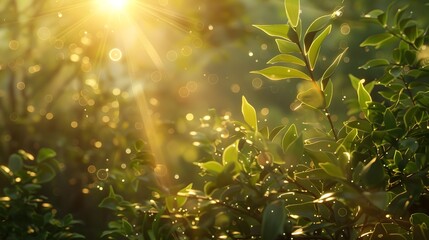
(292, 11)
(230, 154)
(331, 69)
(313, 51)
(275, 30)
(286, 58)
(280, 73)
(286, 46)
(249, 114)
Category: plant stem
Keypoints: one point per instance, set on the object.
(319, 89)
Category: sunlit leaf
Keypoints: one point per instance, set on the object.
(328, 92)
(375, 63)
(230, 154)
(296, 148)
(376, 40)
(311, 96)
(317, 25)
(212, 167)
(313, 51)
(286, 46)
(290, 135)
(331, 69)
(280, 73)
(374, 14)
(272, 220)
(249, 114)
(286, 58)
(361, 125)
(332, 170)
(364, 98)
(292, 8)
(276, 30)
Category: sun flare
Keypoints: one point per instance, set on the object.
(113, 5)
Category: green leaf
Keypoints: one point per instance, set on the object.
(15, 163)
(317, 25)
(310, 96)
(296, 148)
(211, 167)
(376, 40)
(361, 125)
(276, 30)
(273, 220)
(286, 46)
(373, 173)
(374, 14)
(279, 73)
(328, 91)
(292, 8)
(375, 63)
(364, 98)
(230, 154)
(411, 32)
(290, 136)
(45, 173)
(399, 161)
(331, 69)
(249, 114)
(45, 154)
(286, 58)
(332, 170)
(389, 119)
(313, 51)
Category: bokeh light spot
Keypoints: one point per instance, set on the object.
(115, 54)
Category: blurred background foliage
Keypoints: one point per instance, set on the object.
(89, 82)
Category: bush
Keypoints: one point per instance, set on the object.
(366, 178)
(24, 212)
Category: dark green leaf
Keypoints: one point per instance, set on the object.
(273, 220)
(332, 170)
(44, 154)
(280, 73)
(290, 135)
(373, 173)
(361, 125)
(375, 63)
(45, 173)
(328, 91)
(15, 163)
(376, 40)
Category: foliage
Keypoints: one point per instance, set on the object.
(366, 178)
(24, 212)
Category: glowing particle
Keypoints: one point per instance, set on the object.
(115, 54)
(176, 176)
(98, 144)
(116, 91)
(210, 27)
(250, 54)
(20, 85)
(189, 116)
(91, 169)
(13, 44)
(235, 88)
(85, 190)
(74, 124)
(49, 116)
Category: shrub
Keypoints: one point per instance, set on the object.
(24, 212)
(366, 178)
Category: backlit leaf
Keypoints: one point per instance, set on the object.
(286, 46)
(230, 154)
(329, 92)
(331, 69)
(44, 154)
(313, 51)
(292, 8)
(276, 30)
(287, 58)
(375, 63)
(314, 28)
(249, 114)
(376, 40)
(280, 73)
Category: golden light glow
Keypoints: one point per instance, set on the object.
(113, 5)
